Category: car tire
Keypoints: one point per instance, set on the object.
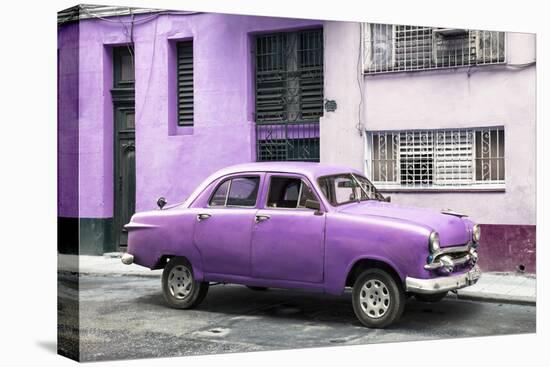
(179, 287)
(378, 299)
(432, 298)
(254, 288)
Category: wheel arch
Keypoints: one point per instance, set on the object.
(163, 260)
(364, 263)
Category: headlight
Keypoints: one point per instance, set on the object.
(434, 242)
(476, 233)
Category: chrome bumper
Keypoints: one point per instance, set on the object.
(441, 260)
(127, 259)
(442, 284)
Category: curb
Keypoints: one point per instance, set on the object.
(497, 298)
(72, 273)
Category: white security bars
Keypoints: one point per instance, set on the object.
(436, 159)
(391, 48)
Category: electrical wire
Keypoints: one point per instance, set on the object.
(359, 73)
(140, 20)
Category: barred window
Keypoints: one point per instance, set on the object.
(437, 159)
(390, 48)
(289, 95)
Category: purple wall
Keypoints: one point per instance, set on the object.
(507, 247)
(170, 160)
(67, 114)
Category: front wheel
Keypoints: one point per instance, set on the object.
(378, 300)
(179, 287)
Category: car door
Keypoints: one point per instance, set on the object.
(288, 239)
(224, 226)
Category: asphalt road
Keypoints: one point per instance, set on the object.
(125, 317)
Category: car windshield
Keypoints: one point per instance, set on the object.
(348, 187)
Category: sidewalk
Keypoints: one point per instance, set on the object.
(491, 287)
(502, 287)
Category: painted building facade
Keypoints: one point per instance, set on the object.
(123, 139)
(151, 102)
(440, 118)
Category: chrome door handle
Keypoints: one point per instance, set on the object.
(203, 216)
(261, 218)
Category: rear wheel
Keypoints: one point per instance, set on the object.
(179, 287)
(436, 297)
(378, 300)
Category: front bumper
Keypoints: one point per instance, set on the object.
(442, 284)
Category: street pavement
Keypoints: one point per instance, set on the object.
(493, 287)
(125, 317)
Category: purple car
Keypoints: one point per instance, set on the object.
(306, 226)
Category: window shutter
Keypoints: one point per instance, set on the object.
(310, 56)
(490, 47)
(185, 83)
(378, 47)
(271, 66)
(453, 157)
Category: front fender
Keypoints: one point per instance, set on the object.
(400, 244)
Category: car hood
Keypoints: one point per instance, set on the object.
(452, 229)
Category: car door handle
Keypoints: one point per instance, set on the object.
(203, 216)
(261, 218)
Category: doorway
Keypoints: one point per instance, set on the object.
(123, 96)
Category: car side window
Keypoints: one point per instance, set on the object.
(288, 192)
(238, 191)
(307, 194)
(220, 196)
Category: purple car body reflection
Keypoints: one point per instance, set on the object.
(307, 226)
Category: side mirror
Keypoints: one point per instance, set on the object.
(161, 202)
(313, 204)
(387, 199)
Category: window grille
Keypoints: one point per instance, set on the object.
(185, 83)
(391, 48)
(289, 95)
(436, 159)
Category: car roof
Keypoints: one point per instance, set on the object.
(310, 169)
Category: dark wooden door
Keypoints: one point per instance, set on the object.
(124, 142)
(125, 170)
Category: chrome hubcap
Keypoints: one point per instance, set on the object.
(374, 298)
(180, 282)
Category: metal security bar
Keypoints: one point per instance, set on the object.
(287, 141)
(289, 95)
(432, 159)
(392, 48)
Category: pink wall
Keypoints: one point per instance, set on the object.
(502, 95)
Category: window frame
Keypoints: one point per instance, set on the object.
(222, 180)
(293, 176)
(189, 43)
(491, 185)
(353, 175)
(287, 127)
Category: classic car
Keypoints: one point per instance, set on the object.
(304, 226)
